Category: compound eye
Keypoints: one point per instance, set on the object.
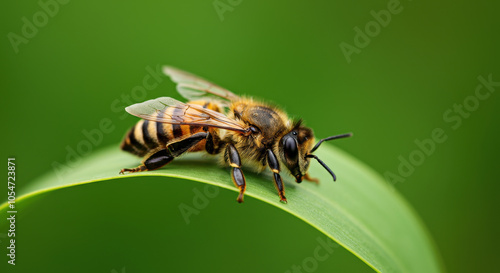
(254, 129)
(290, 148)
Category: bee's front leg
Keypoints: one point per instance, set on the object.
(233, 158)
(311, 179)
(274, 165)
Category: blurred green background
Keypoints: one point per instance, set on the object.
(73, 73)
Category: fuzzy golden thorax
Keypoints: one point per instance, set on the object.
(271, 129)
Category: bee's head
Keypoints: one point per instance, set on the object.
(296, 150)
(293, 148)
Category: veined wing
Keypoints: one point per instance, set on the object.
(184, 114)
(193, 87)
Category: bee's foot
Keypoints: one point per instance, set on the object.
(240, 198)
(138, 169)
(123, 171)
(311, 179)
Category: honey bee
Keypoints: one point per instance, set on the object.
(249, 133)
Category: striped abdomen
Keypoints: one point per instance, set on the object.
(146, 135)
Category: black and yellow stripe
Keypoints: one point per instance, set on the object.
(147, 135)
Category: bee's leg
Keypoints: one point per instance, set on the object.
(233, 158)
(154, 161)
(213, 144)
(273, 163)
(165, 156)
(133, 170)
(311, 179)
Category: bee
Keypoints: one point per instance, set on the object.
(242, 130)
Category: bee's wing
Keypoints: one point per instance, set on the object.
(184, 114)
(193, 87)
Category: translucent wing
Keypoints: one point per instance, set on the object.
(193, 87)
(169, 110)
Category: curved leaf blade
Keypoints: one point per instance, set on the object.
(360, 211)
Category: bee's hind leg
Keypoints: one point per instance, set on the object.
(133, 170)
(165, 156)
(154, 161)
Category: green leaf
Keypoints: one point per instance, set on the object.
(360, 211)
